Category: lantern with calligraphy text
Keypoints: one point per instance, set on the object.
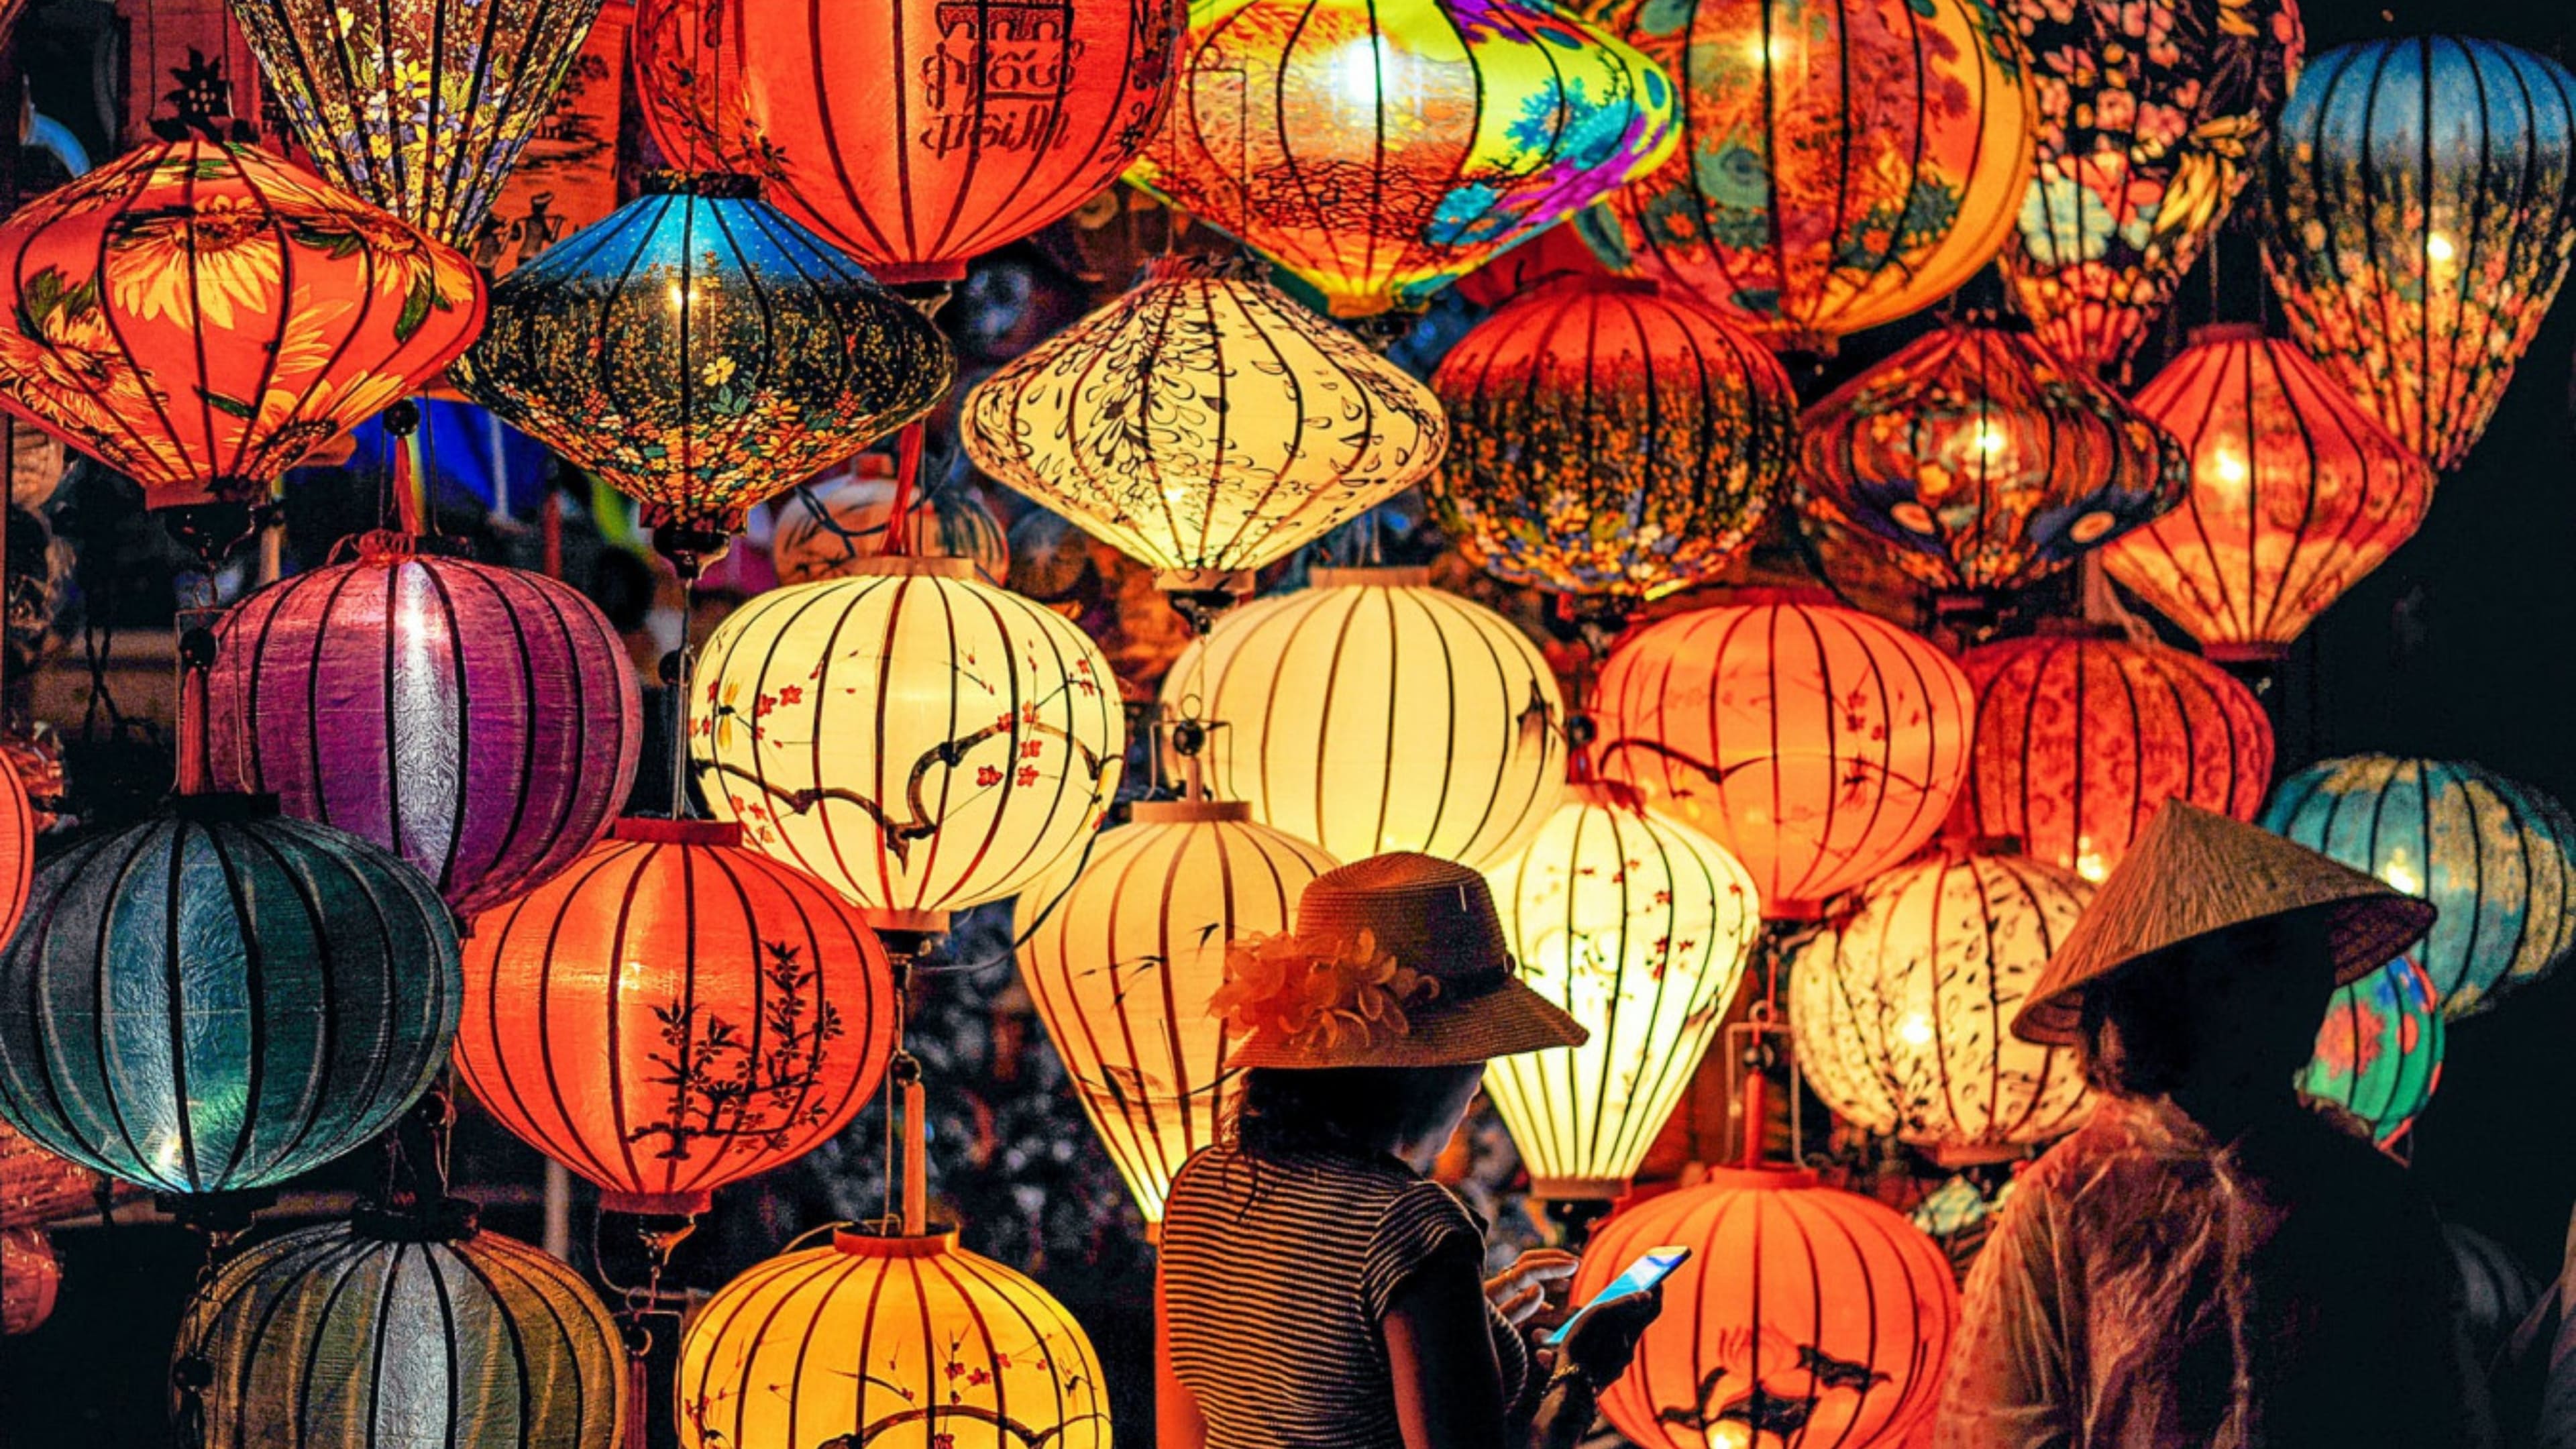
(2379, 1053)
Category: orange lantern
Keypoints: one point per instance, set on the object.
(17, 848)
(2296, 492)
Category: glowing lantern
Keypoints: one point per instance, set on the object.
(2379, 1053)
(1841, 164)
(17, 848)
(918, 741)
(1204, 424)
(1818, 744)
(31, 1277)
(200, 316)
(2422, 210)
(892, 1342)
(1980, 463)
(1806, 1316)
(826, 530)
(1900, 1009)
(1612, 437)
(2080, 740)
(2497, 857)
(2296, 492)
(1122, 954)
(1371, 712)
(1381, 149)
(1640, 928)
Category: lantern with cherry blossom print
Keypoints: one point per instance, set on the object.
(2379, 1051)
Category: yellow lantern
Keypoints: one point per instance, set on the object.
(1640, 928)
(1122, 954)
(917, 739)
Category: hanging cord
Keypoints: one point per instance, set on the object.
(675, 678)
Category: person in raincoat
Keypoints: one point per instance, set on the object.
(2208, 1263)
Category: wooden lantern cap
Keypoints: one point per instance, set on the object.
(656, 831)
(1758, 1179)
(1367, 578)
(2226, 332)
(885, 565)
(1188, 812)
(868, 1242)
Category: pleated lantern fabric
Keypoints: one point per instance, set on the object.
(1370, 712)
(220, 998)
(828, 528)
(483, 723)
(674, 1013)
(2379, 1051)
(17, 848)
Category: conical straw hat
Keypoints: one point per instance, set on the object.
(2195, 872)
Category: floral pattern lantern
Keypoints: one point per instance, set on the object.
(827, 529)
(2422, 211)
(1381, 149)
(1612, 437)
(2296, 493)
(1842, 164)
(2379, 1052)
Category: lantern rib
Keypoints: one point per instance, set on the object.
(524, 1288)
(729, 1146)
(125, 346)
(627, 861)
(648, 861)
(1151, 1129)
(309, 894)
(864, 1354)
(127, 871)
(461, 707)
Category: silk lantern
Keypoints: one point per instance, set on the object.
(1370, 712)
(1381, 149)
(1612, 437)
(17, 848)
(2496, 856)
(827, 529)
(919, 741)
(2421, 211)
(31, 1279)
(1820, 745)
(899, 1342)
(674, 1013)
(1841, 164)
(2296, 493)
(2379, 1051)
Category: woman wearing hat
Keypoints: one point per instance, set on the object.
(2208, 1264)
(1317, 1290)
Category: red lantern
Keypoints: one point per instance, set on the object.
(17, 848)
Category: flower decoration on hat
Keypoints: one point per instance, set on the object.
(1319, 994)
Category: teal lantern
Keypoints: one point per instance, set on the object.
(2379, 1051)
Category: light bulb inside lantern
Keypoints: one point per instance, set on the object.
(1915, 1029)
(1358, 72)
(2437, 248)
(2400, 873)
(1989, 439)
(2228, 466)
(2088, 860)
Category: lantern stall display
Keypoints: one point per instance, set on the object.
(826, 529)
(2379, 1051)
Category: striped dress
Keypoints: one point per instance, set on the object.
(1275, 1277)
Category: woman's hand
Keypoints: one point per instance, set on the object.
(1520, 1291)
(1605, 1340)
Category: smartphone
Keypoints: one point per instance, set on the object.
(1652, 1267)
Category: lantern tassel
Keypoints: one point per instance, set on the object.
(907, 484)
(916, 1187)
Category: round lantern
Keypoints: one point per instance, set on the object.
(891, 1342)
(1841, 164)
(31, 1280)
(1640, 928)
(700, 351)
(430, 1332)
(2422, 210)
(825, 530)
(1805, 1317)
(1612, 437)
(1901, 1008)
(1820, 745)
(1122, 954)
(1204, 424)
(2498, 858)
(17, 848)
(480, 722)
(674, 1013)
(200, 316)
(2379, 1052)
(2296, 492)
(1371, 712)
(220, 998)
(2080, 740)
(1381, 149)
(919, 741)
(1980, 463)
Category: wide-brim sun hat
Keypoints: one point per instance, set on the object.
(1397, 961)
(2195, 873)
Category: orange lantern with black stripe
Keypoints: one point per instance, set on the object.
(17, 848)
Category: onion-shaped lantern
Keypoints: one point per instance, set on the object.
(480, 722)
(1612, 437)
(901, 1342)
(200, 316)
(674, 1013)
(1204, 424)
(2080, 740)
(1371, 712)
(1819, 745)
(1900, 1009)
(1806, 1316)
(1980, 463)
(918, 741)
(2422, 210)
(220, 998)
(1381, 149)
(700, 351)
(1841, 165)
(1640, 928)
(2379, 1052)
(827, 529)
(2296, 493)
(17, 848)
(1122, 954)
(2496, 856)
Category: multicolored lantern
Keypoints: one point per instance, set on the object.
(1613, 437)
(1841, 164)
(2422, 209)
(827, 529)
(2296, 493)
(2379, 1052)
(1381, 149)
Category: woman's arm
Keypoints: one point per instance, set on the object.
(1440, 1355)
(2009, 1384)
(1177, 1421)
